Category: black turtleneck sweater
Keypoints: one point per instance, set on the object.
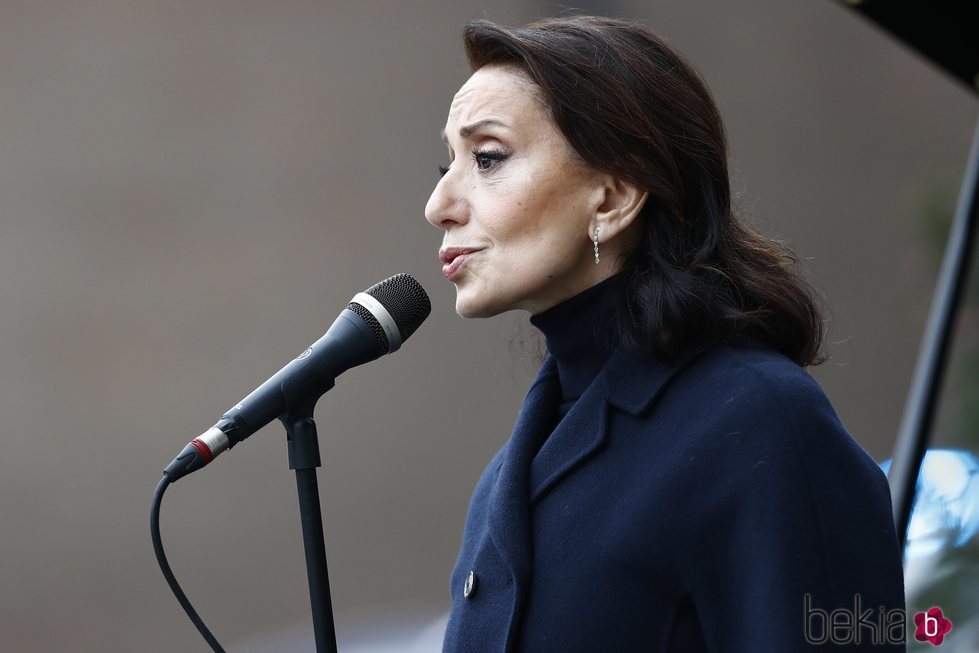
(580, 335)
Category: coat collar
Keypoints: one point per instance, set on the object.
(628, 382)
(633, 381)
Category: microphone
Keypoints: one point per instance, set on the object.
(375, 323)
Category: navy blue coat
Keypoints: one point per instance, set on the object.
(711, 504)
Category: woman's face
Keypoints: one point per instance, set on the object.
(516, 204)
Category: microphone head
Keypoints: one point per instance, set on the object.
(405, 302)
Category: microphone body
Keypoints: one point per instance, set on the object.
(375, 323)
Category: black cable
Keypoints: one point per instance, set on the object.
(165, 566)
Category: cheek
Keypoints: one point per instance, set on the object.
(533, 215)
(514, 219)
(518, 230)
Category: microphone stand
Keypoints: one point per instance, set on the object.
(304, 457)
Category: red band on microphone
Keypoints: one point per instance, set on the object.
(203, 450)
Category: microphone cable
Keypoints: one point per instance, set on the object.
(168, 573)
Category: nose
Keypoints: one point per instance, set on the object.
(445, 208)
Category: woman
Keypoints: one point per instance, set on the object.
(675, 480)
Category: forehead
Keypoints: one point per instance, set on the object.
(502, 92)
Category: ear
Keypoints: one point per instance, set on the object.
(618, 207)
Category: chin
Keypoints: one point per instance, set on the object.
(469, 305)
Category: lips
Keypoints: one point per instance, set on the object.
(453, 258)
(448, 253)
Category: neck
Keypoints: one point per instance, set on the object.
(580, 333)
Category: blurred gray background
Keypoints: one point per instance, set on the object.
(191, 191)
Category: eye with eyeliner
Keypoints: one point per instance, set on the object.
(495, 157)
(485, 160)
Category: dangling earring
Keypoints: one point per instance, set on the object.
(595, 240)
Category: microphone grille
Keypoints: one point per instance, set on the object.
(406, 301)
(372, 323)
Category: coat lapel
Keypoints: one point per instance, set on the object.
(627, 382)
(580, 435)
(509, 514)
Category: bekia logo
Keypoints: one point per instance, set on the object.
(932, 626)
(877, 627)
(843, 626)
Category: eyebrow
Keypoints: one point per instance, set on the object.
(468, 130)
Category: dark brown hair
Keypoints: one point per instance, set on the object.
(632, 107)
